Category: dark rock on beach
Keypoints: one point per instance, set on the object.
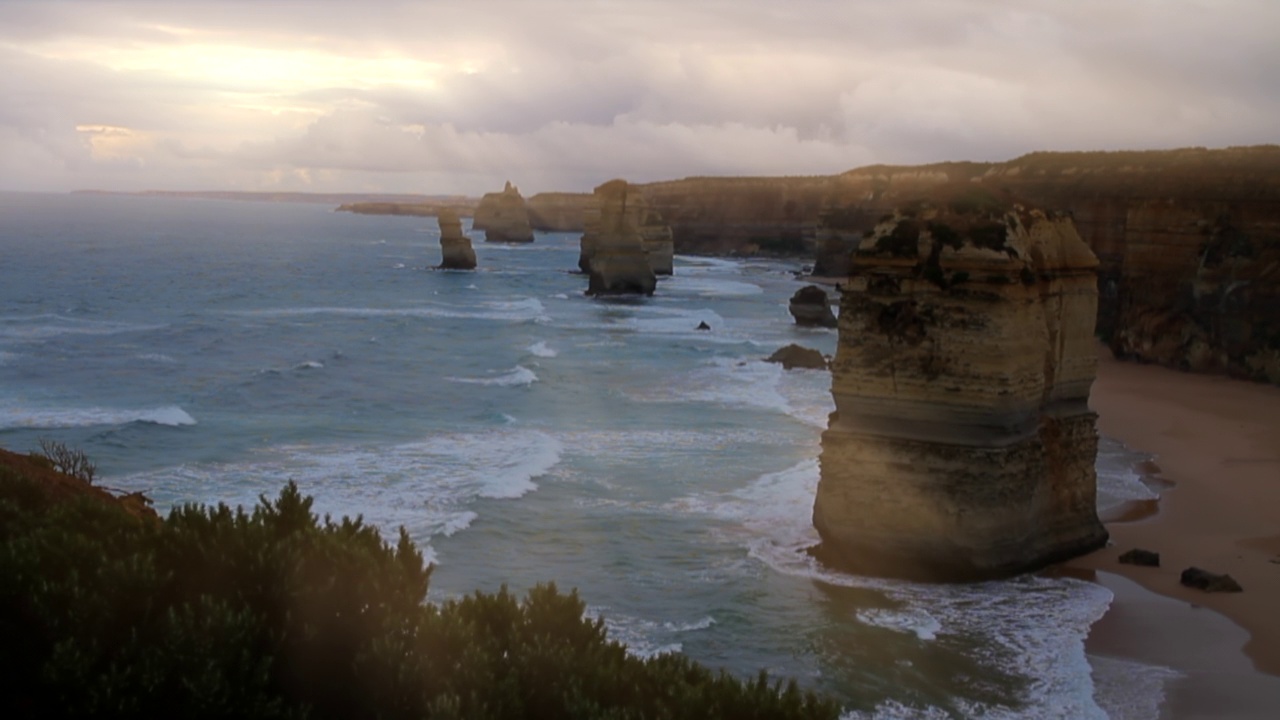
(1138, 556)
(1209, 582)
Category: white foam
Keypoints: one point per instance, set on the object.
(542, 350)
(725, 381)
(525, 310)
(646, 638)
(157, 358)
(1119, 482)
(28, 417)
(430, 486)
(49, 325)
(1031, 627)
(709, 287)
(1128, 690)
(309, 365)
(516, 376)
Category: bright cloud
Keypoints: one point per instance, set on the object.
(459, 96)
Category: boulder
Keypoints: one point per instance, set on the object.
(456, 252)
(503, 217)
(1138, 556)
(811, 308)
(962, 446)
(619, 264)
(1209, 582)
(797, 356)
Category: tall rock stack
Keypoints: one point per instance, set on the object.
(456, 252)
(503, 217)
(619, 264)
(655, 237)
(962, 445)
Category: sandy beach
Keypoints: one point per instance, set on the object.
(1217, 441)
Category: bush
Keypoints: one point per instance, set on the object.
(276, 613)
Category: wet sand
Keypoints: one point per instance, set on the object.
(1218, 441)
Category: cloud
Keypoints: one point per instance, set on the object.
(454, 96)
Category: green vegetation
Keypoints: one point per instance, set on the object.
(274, 612)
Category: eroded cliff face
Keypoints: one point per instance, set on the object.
(619, 263)
(503, 217)
(456, 252)
(962, 445)
(655, 235)
(557, 211)
(1188, 240)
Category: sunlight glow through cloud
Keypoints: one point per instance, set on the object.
(454, 96)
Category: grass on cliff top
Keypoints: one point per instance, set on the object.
(274, 612)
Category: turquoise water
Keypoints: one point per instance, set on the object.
(206, 351)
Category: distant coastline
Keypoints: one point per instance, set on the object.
(318, 198)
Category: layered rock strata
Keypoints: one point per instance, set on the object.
(962, 445)
(456, 252)
(1188, 240)
(558, 211)
(618, 262)
(503, 217)
(811, 308)
(655, 237)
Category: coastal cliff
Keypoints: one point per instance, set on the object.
(558, 211)
(962, 445)
(503, 217)
(1188, 240)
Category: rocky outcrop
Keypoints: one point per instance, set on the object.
(456, 252)
(503, 217)
(1209, 582)
(797, 356)
(811, 308)
(1188, 240)
(618, 262)
(558, 211)
(655, 237)
(962, 445)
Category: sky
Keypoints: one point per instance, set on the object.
(445, 96)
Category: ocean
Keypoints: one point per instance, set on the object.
(209, 351)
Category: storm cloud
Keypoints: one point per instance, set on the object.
(460, 96)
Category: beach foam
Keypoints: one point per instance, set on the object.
(515, 377)
(541, 349)
(29, 417)
(430, 487)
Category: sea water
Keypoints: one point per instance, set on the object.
(210, 351)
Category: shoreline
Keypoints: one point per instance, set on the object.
(1216, 442)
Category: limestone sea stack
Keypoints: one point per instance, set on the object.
(503, 217)
(456, 252)
(655, 236)
(962, 446)
(811, 308)
(619, 264)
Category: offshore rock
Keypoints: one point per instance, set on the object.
(962, 446)
(811, 308)
(456, 252)
(503, 217)
(797, 356)
(655, 236)
(619, 263)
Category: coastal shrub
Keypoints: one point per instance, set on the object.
(278, 613)
(66, 460)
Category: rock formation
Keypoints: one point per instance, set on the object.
(962, 445)
(797, 356)
(618, 262)
(558, 211)
(655, 237)
(456, 252)
(1188, 240)
(503, 217)
(811, 308)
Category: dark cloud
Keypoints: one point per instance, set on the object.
(447, 96)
